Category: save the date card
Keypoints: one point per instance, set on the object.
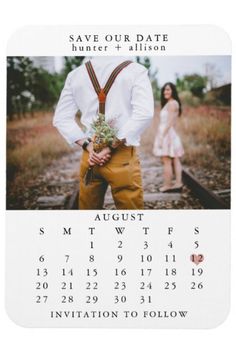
(118, 176)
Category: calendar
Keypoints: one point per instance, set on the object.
(118, 177)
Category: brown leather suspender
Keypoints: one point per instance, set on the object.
(102, 92)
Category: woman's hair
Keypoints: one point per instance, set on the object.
(174, 95)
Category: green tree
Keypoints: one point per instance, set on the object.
(194, 83)
(152, 75)
(30, 88)
(20, 76)
(70, 63)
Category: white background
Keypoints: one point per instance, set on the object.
(14, 14)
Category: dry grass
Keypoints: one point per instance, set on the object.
(32, 144)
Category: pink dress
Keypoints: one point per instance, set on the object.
(172, 145)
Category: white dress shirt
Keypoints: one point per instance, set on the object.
(129, 101)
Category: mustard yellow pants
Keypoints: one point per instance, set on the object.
(122, 172)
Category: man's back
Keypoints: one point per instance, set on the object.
(129, 97)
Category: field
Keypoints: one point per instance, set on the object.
(33, 145)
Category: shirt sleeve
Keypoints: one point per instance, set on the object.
(142, 103)
(64, 116)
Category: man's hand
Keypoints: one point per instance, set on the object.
(98, 158)
(104, 155)
(93, 160)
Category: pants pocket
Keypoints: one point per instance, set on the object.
(118, 176)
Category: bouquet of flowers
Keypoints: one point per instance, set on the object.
(104, 135)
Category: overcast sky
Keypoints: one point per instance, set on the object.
(169, 66)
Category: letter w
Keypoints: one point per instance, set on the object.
(183, 313)
(120, 230)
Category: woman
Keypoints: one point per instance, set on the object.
(167, 144)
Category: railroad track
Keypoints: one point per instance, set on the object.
(208, 198)
(61, 190)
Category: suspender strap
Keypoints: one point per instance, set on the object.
(102, 92)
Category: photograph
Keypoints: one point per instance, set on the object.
(118, 132)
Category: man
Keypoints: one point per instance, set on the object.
(130, 101)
